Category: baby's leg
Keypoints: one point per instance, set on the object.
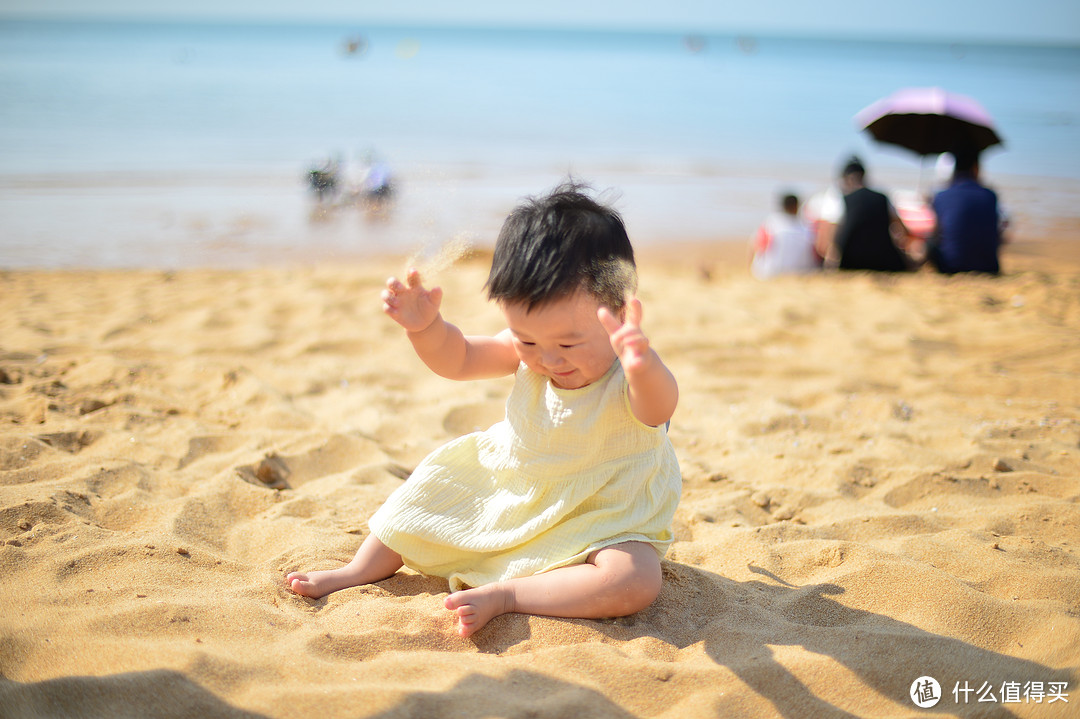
(616, 581)
(374, 561)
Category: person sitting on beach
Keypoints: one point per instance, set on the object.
(865, 236)
(784, 243)
(969, 221)
(563, 508)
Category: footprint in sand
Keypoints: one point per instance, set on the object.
(70, 442)
(339, 454)
(209, 445)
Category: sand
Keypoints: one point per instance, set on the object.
(880, 483)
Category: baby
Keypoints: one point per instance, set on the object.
(564, 508)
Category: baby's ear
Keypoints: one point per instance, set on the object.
(619, 314)
(610, 321)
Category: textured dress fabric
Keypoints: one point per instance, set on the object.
(566, 473)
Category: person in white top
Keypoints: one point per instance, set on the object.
(784, 244)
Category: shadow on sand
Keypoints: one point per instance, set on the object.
(162, 694)
(738, 623)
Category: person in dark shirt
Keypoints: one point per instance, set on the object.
(968, 233)
(864, 238)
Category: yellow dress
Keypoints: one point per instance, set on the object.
(566, 473)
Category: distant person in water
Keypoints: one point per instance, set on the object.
(324, 180)
(970, 226)
(869, 234)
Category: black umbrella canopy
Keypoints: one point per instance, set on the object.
(929, 121)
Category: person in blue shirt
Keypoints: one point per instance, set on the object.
(969, 226)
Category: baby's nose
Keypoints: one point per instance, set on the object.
(551, 358)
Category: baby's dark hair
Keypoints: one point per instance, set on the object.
(553, 245)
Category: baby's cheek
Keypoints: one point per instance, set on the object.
(525, 354)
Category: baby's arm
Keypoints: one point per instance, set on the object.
(653, 390)
(441, 345)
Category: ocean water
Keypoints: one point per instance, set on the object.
(155, 143)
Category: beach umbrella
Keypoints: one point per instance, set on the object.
(929, 121)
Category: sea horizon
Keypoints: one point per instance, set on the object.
(158, 126)
(545, 28)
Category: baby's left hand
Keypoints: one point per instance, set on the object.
(629, 342)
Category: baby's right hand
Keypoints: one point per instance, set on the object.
(410, 305)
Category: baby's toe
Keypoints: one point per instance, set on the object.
(456, 600)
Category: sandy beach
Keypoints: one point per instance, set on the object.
(881, 483)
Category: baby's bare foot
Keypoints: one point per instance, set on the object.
(373, 562)
(477, 607)
(316, 584)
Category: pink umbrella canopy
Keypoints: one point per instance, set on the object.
(929, 121)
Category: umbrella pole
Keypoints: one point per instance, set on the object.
(921, 187)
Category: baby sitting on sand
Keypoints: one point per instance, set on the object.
(563, 508)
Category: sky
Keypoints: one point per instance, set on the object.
(1055, 21)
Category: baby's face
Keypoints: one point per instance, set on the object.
(562, 340)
